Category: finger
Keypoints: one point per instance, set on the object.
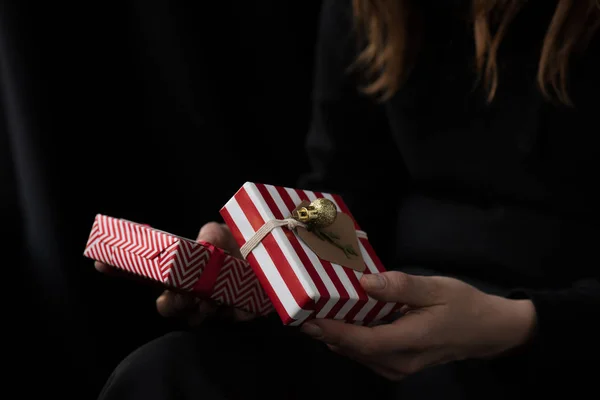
(108, 269)
(404, 309)
(206, 307)
(398, 287)
(111, 271)
(399, 365)
(231, 246)
(220, 236)
(171, 304)
(101, 267)
(407, 333)
(242, 315)
(374, 364)
(388, 373)
(202, 311)
(347, 337)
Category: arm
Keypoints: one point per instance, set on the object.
(566, 327)
(349, 144)
(554, 339)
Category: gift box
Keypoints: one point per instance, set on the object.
(302, 284)
(178, 263)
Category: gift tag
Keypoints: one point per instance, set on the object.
(336, 243)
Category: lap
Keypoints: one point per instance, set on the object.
(261, 359)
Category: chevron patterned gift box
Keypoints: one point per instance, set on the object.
(300, 284)
(177, 263)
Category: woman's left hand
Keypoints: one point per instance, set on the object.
(444, 320)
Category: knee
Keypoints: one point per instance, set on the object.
(157, 361)
(165, 351)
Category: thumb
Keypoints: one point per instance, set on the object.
(398, 287)
(220, 236)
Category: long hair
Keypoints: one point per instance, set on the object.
(387, 55)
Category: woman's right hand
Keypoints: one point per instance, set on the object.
(191, 308)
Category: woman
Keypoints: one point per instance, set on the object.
(460, 135)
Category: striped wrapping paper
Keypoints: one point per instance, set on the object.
(178, 263)
(300, 284)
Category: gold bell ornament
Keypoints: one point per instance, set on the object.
(318, 214)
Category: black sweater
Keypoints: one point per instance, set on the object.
(501, 195)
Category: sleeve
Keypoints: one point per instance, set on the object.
(567, 329)
(566, 341)
(350, 148)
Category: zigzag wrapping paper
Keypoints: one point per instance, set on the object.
(176, 262)
(301, 285)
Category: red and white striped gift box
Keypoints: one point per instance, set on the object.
(176, 262)
(301, 285)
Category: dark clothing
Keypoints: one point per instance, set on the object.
(499, 195)
(265, 360)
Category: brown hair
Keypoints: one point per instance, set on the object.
(387, 56)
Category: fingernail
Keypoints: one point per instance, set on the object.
(373, 281)
(312, 329)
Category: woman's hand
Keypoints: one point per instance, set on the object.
(193, 309)
(444, 320)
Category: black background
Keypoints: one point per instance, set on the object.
(156, 111)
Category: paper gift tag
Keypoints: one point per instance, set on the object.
(336, 243)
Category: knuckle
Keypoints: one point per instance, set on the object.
(210, 231)
(162, 306)
(170, 304)
(436, 288)
(224, 227)
(211, 225)
(397, 280)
